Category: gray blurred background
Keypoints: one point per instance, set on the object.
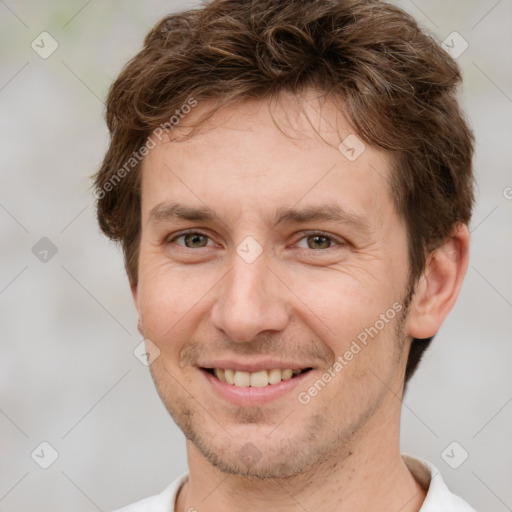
(68, 375)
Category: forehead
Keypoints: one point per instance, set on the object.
(257, 157)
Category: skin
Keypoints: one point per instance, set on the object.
(303, 299)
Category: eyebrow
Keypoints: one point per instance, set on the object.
(167, 211)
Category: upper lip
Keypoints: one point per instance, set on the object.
(254, 366)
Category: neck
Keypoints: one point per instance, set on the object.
(370, 475)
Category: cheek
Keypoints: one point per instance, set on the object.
(173, 300)
(356, 317)
(164, 298)
(344, 303)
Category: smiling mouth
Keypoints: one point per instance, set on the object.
(257, 379)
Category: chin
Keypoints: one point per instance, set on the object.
(257, 452)
(245, 459)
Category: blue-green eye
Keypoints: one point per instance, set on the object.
(192, 240)
(317, 241)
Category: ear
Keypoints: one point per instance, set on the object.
(134, 289)
(135, 295)
(440, 284)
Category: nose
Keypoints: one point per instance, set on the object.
(250, 300)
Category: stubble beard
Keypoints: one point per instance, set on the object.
(283, 457)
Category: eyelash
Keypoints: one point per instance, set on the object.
(306, 234)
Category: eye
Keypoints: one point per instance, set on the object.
(197, 240)
(317, 241)
(191, 239)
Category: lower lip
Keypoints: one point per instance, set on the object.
(253, 396)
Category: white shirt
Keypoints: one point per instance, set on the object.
(438, 499)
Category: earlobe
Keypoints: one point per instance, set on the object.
(134, 289)
(135, 296)
(440, 284)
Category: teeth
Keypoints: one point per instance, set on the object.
(254, 379)
(219, 373)
(286, 374)
(259, 379)
(230, 376)
(242, 379)
(274, 376)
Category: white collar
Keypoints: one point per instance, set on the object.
(438, 498)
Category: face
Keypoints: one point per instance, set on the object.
(278, 262)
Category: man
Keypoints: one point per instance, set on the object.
(291, 184)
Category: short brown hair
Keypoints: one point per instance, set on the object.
(396, 85)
